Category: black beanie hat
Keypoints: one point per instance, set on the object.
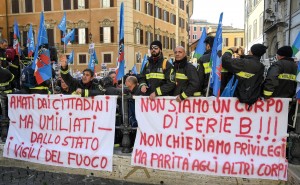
(157, 43)
(285, 51)
(209, 40)
(258, 50)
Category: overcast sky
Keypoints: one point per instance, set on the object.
(233, 11)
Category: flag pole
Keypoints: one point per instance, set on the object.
(295, 115)
(208, 85)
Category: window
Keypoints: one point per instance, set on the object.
(82, 36)
(81, 4)
(166, 42)
(181, 4)
(238, 41)
(261, 24)
(181, 22)
(148, 8)
(28, 6)
(107, 57)
(82, 58)
(157, 37)
(47, 5)
(67, 4)
(139, 36)
(255, 29)
(15, 6)
(50, 34)
(295, 6)
(106, 34)
(195, 28)
(172, 1)
(149, 38)
(137, 5)
(225, 42)
(157, 12)
(172, 43)
(173, 18)
(166, 16)
(107, 3)
(194, 37)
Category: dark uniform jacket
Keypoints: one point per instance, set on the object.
(89, 89)
(281, 79)
(187, 79)
(249, 71)
(204, 70)
(4, 62)
(159, 80)
(6, 78)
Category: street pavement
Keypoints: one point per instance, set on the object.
(20, 176)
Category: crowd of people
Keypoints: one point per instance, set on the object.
(159, 77)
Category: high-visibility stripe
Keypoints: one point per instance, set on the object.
(181, 76)
(245, 74)
(7, 91)
(14, 66)
(184, 95)
(207, 68)
(229, 51)
(86, 93)
(285, 76)
(158, 90)
(268, 93)
(2, 58)
(155, 76)
(7, 83)
(224, 70)
(39, 88)
(197, 94)
(64, 72)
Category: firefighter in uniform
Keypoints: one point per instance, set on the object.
(158, 75)
(84, 87)
(281, 77)
(3, 47)
(6, 78)
(187, 80)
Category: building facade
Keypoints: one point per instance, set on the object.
(254, 21)
(196, 27)
(98, 22)
(282, 23)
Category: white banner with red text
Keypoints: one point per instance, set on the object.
(62, 130)
(212, 136)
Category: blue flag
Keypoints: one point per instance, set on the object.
(134, 70)
(200, 48)
(71, 57)
(63, 24)
(215, 60)
(42, 63)
(296, 45)
(16, 44)
(93, 61)
(230, 88)
(298, 82)
(144, 62)
(69, 37)
(121, 61)
(30, 41)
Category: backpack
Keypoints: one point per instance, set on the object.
(27, 77)
(10, 54)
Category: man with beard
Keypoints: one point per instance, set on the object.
(158, 76)
(187, 80)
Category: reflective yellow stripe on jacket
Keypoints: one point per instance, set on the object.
(207, 68)
(245, 74)
(181, 76)
(7, 83)
(155, 76)
(285, 76)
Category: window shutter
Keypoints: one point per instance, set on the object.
(87, 35)
(111, 3)
(28, 6)
(134, 4)
(146, 38)
(47, 5)
(75, 4)
(76, 36)
(101, 34)
(235, 41)
(242, 41)
(15, 6)
(112, 34)
(141, 37)
(67, 4)
(86, 4)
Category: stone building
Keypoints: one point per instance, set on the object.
(98, 22)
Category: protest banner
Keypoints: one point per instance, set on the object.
(59, 130)
(213, 136)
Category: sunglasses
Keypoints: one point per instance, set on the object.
(154, 47)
